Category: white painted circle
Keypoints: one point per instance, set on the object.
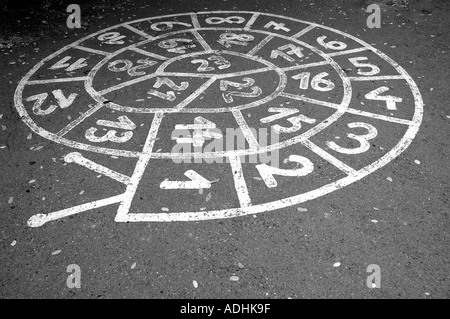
(241, 25)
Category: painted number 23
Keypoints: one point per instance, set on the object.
(218, 60)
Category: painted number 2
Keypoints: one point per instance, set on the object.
(267, 172)
(228, 95)
(169, 95)
(112, 38)
(127, 65)
(218, 60)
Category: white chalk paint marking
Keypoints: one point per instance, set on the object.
(260, 45)
(147, 53)
(124, 123)
(314, 101)
(242, 73)
(330, 158)
(137, 31)
(267, 172)
(128, 83)
(142, 163)
(40, 219)
(195, 94)
(380, 117)
(251, 139)
(239, 182)
(195, 22)
(304, 31)
(78, 120)
(74, 79)
(304, 66)
(202, 41)
(201, 128)
(197, 181)
(400, 147)
(100, 52)
(376, 78)
(348, 51)
(77, 158)
(363, 139)
(251, 21)
(62, 64)
(389, 99)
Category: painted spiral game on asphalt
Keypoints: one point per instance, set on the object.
(224, 113)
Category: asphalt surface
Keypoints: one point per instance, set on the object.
(397, 217)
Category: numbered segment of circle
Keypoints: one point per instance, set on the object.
(274, 110)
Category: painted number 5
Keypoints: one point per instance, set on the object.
(362, 139)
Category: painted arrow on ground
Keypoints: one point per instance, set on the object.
(196, 182)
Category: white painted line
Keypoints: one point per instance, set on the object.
(40, 219)
(142, 163)
(251, 139)
(267, 172)
(100, 52)
(128, 83)
(137, 31)
(347, 51)
(239, 182)
(314, 101)
(195, 22)
(77, 158)
(195, 94)
(150, 54)
(260, 45)
(78, 120)
(201, 41)
(242, 73)
(379, 116)
(251, 21)
(376, 78)
(197, 181)
(302, 32)
(330, 158)
(74, 79)
(192, 75)
(304, 66)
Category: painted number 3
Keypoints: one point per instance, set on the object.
(362, 139)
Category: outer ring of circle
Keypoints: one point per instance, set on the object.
(278, 204)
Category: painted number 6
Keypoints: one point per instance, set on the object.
(332, 45)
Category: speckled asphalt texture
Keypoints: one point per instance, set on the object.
(397, 217)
